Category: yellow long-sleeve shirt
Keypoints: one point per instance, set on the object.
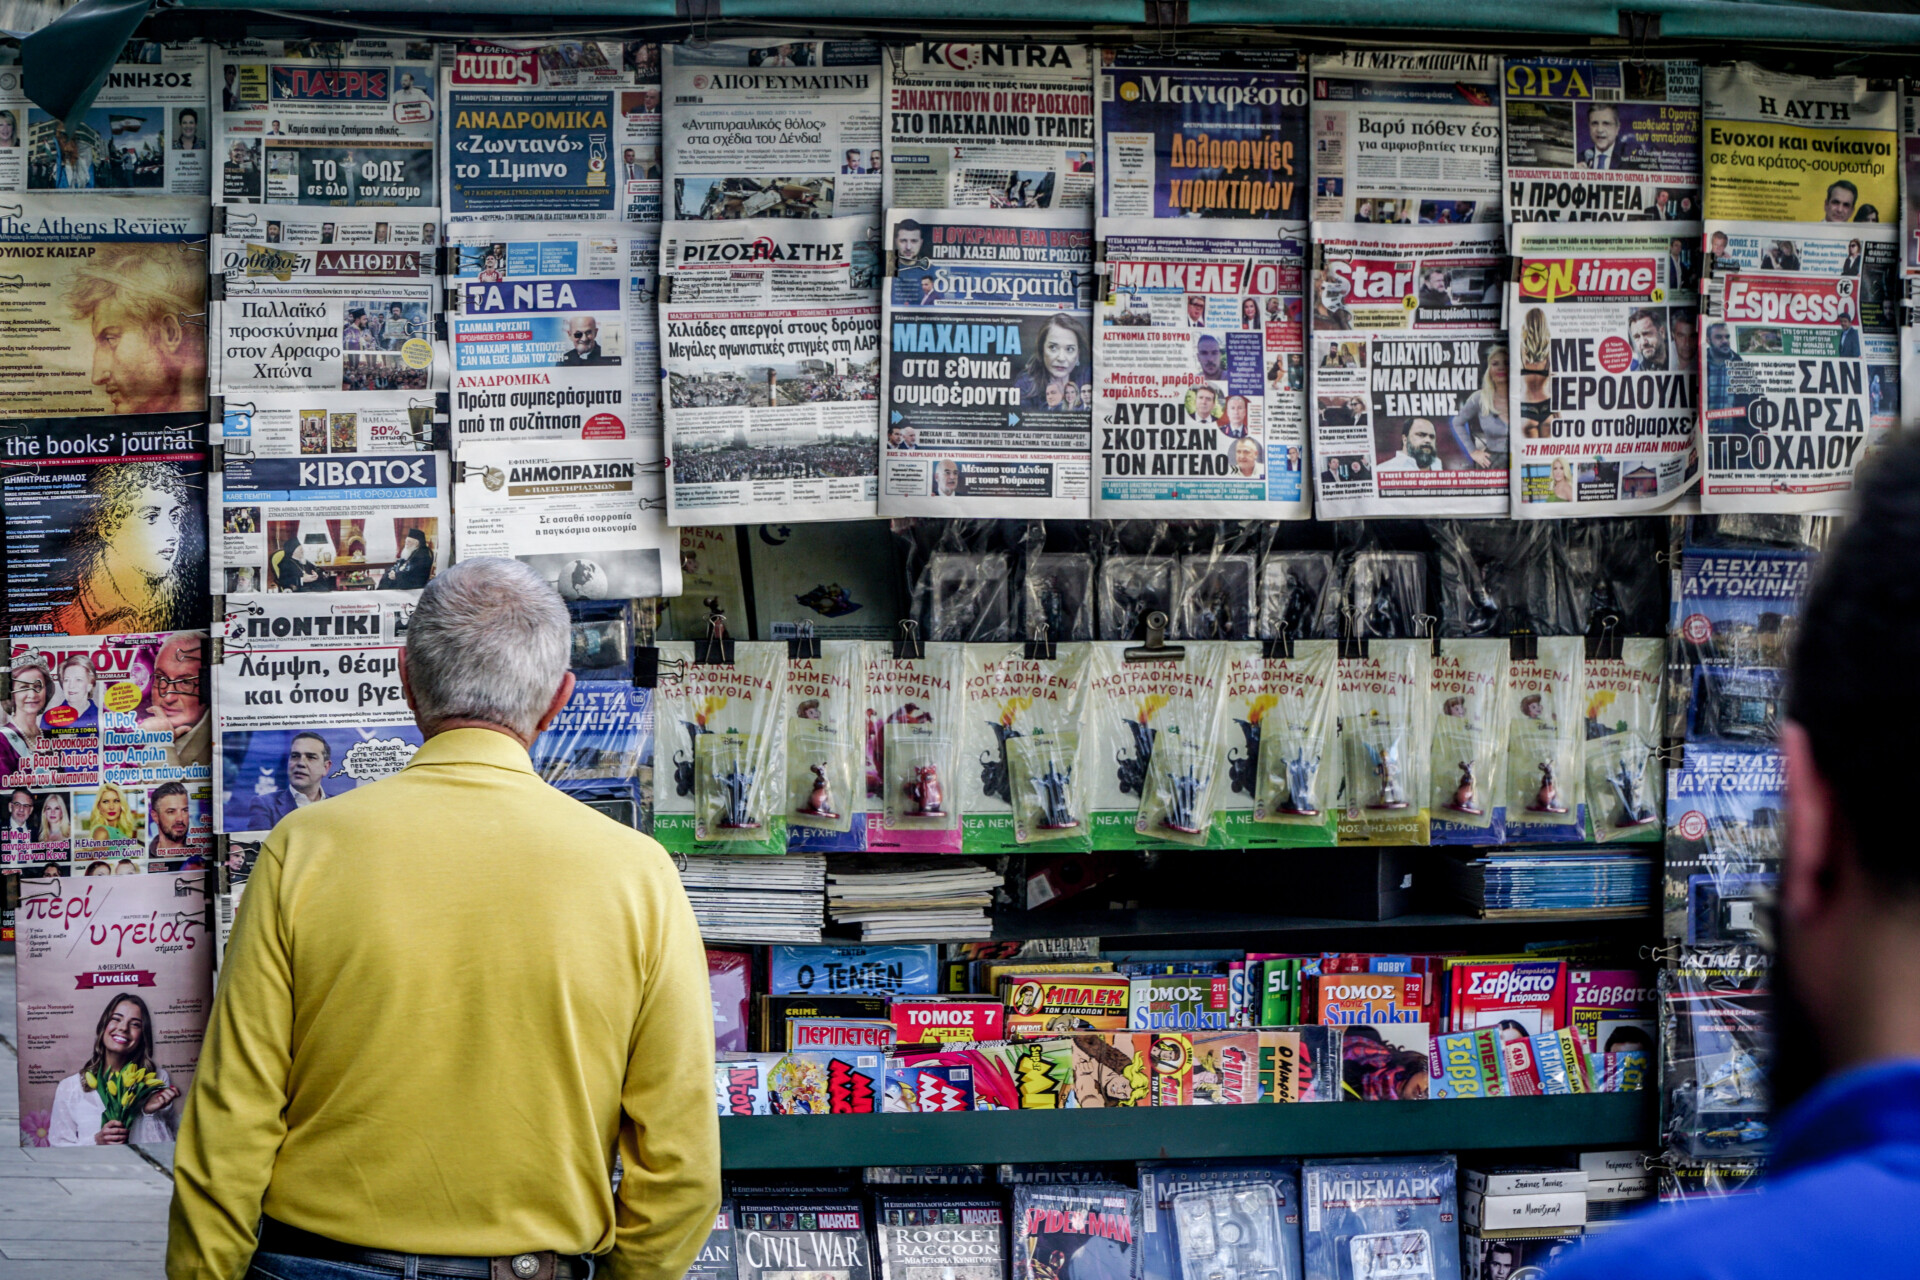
(448, 996)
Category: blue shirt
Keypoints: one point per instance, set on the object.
(1841, 1198)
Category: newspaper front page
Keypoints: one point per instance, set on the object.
(147, 130)
(520, 145)
(988, 387)
(1787, 148)
(1199, 368)
(1410, 377)
(1800, 368)
(995, 125)
(757, 128)
(1202, 133)
(1605, 334)
(1602, 141)
(326, 122)
(1406, 137)
(770, 340)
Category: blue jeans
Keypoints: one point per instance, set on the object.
(285, 1266)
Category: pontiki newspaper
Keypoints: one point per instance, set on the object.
(1406, 137)
(988, 389)
(1787, 148)
(1591, 140)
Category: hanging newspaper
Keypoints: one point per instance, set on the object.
(989, 375)
(1910, 179)
(530, 132)
(326, 122)
(106, 525)
(340, 523)
(1410, 394)
(637, 135)
(307, 702)
(1605, 333)
(1801, 366)
(1406, 137)
(1200, 384)
(1002, 125)
(80, 267)
(302, 316)
(755, 128)
(771, 359)
(1790, 148)
(542, 344)
(588, 514)
(1203, 133)
(147, 129)
(313, 423)
(1602, 141)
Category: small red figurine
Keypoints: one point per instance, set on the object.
(820, 799)
(924, 791)
(1547, 798)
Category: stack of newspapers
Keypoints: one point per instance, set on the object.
(756, 899)
(894, 900)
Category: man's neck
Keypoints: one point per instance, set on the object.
(462, 722)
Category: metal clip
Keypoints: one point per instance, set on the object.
(1666, 953)
(1353, 645)
(717, 649)
(908, 646)
(1280, 646)
(1041, 648)
(1604, 645)
(803, 645)
(648, 666)
(1156, 649)
(1426, 624)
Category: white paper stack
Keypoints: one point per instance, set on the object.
(927, 900)
(756, 899)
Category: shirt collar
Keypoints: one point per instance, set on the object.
(473, 746)
(1871, 1106)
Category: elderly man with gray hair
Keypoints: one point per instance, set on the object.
(451, 997)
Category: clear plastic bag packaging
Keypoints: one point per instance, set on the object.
(913, 740)
(1218, 596)
(826, 726)
(960, 574)
(1138, 708)
(1381, 1217)
(727, 793)
(1013, 704)
(1546, 735)
(1715, 1046)
(1057, 591)
(1385, 707)
(1131, 587)
(1277, 747)
(1293, 595)
(1469, 710)
(1232, 1233)
(1722, 849)
(1624, 781)
(1048, 808)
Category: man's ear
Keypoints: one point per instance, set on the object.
(406, 685)
(1810, 868)
(554, 708)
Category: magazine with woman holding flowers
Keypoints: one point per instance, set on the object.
(119, 1096)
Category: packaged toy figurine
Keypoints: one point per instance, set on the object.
(1380, 1218)
(1624, 792)
(826, 726)
(1131, 588)
(1545, 736)
(1715, 1048)
(913, 738)
(720, 762)
(1023, 747)
(1277, 746)
(1384, 702)
(1236, 1220)
(1155, 773)
(1469, 713)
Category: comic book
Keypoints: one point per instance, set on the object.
(1044, 1004)
(1076, 1233)
(948, 1236)
(822, 1082)
(936, 1082)
(820, 1237)
(1299, 1064)
(1178, 1002)
(716, 1260)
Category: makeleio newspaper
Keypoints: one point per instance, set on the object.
(147, 130)
(1602, 141)
(770, 338)
(81, 266)
(325, 122)
(1800, 369)
(543, 344)
(1202, 133)
(998, 125)
(1199, 372)
(756, 128)
(1787, 148)
(1406, 137)
(1410, 380)
(1605, 336)
(307, 701)
(590, 515)
(988, 387)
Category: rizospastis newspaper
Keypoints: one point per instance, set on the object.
(1604, 332)
(1406, 137)
(1202, 133)
(1602, 141)
(771, 129)
(147, 130)
(1199, 377)
(1910, 179)
(770, 337)
(542, 345)
(346, 122)
(293, 314)
(1800, 368)
(1410, 397)
(988, 389)
(307, 702)
(1000, 125)
(1787, 148)
(588, 514)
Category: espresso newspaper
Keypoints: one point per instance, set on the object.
(1199, 373)
(1406, 137)
(148, 129)
(988, 381)
(1788, 148)
(1202, 133)
(770, 337)
(1409, 366)
(1596, 140)
(1605, 335)
(1005, 124)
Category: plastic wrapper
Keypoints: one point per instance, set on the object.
(1253, 1190)
(723, 795)
(1130, 588)
(1723, 843)
(826, 729)
(1715, 1049)
(1277, 747)
(1620, 561)
(1057, 591)
(1733, 616)
(1380, 1217)
(1499, 576)
(593, 749)
(1624, 781)
(961, 575)
(1294, 595)
(1384, 594)
(1686, 1182)
(1545, 786)
(602, 639)
(1155, 770)
(1231, 1233)
(1023, 716)
(1469, 753)
(913, 740)
(1384, 704)
(1218, 596)
(1086, 1232)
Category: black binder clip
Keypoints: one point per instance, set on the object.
(1523, 645)
(1041, 648)
(646, 667)
(1280, 646)
(803, 645)
(1603, 644)
(908, 646)
(717, 649)
(1156, 649)
(1353, 645)
(1428, 625)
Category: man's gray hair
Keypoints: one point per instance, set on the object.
(489, 641)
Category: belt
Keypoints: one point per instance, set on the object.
(543, 1264)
